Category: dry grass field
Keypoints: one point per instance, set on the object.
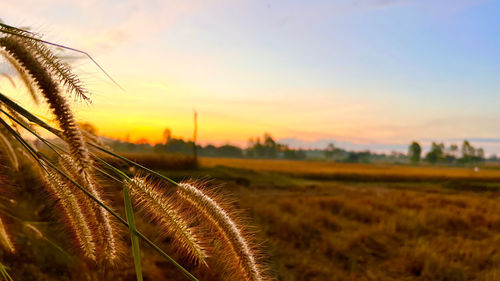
(320, 229)
(356, 171)
(359, 230)
(339, 231)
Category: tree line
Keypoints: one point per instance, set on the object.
(259, 147)
(267, 147)
(439, 153)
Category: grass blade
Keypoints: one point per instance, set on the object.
(131, 225)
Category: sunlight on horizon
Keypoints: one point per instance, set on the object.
(329, 70)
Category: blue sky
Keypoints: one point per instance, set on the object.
(366, 72)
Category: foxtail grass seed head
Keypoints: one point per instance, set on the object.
(90, 225)
(150, 197)
(38, 71)
(73, 215)
(106, 232)
(244, 257)
(50, 90)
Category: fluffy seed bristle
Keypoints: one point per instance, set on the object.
(229, 231)
(60, 68)
(50, 90)
(106, 234)
(74, 217)
(23, 75)
(155, 202)
(85, 202)
(71, 134)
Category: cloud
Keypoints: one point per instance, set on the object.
(99, 24)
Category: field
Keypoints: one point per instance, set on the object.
(355, 171)
(447, 228)
(382, 222)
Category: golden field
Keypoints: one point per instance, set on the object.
(338, 231)
(360, 230)
(355, 171)
(317, 228)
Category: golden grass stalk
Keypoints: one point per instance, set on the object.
(49, 88)
(105, 234)
(79, 154)
(72, 212)
(244, 259)
(5, 239)
(150, 197)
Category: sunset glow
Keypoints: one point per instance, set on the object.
(366, 72)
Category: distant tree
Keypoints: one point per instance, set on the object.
(209, 150)
(451, 153)
(453, 150)
(267, 148)
(271, 150)
(329, 151)
(167, 135)
(468, 152)
(414, 152)
(159, 148)
(294, 154)
(300, 154)
(436, 153)
(352, 157)
(229, 151)
(179, 146)
(480, 154)
(365, 156)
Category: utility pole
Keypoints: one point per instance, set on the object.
(195, 134)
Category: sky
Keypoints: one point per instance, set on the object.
(373, 74)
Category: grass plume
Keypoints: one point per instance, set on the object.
(80, 160)
(72, 212)
(106, 231)
(244, 258)
(50, 90)
(150, 197)
(71, 181)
